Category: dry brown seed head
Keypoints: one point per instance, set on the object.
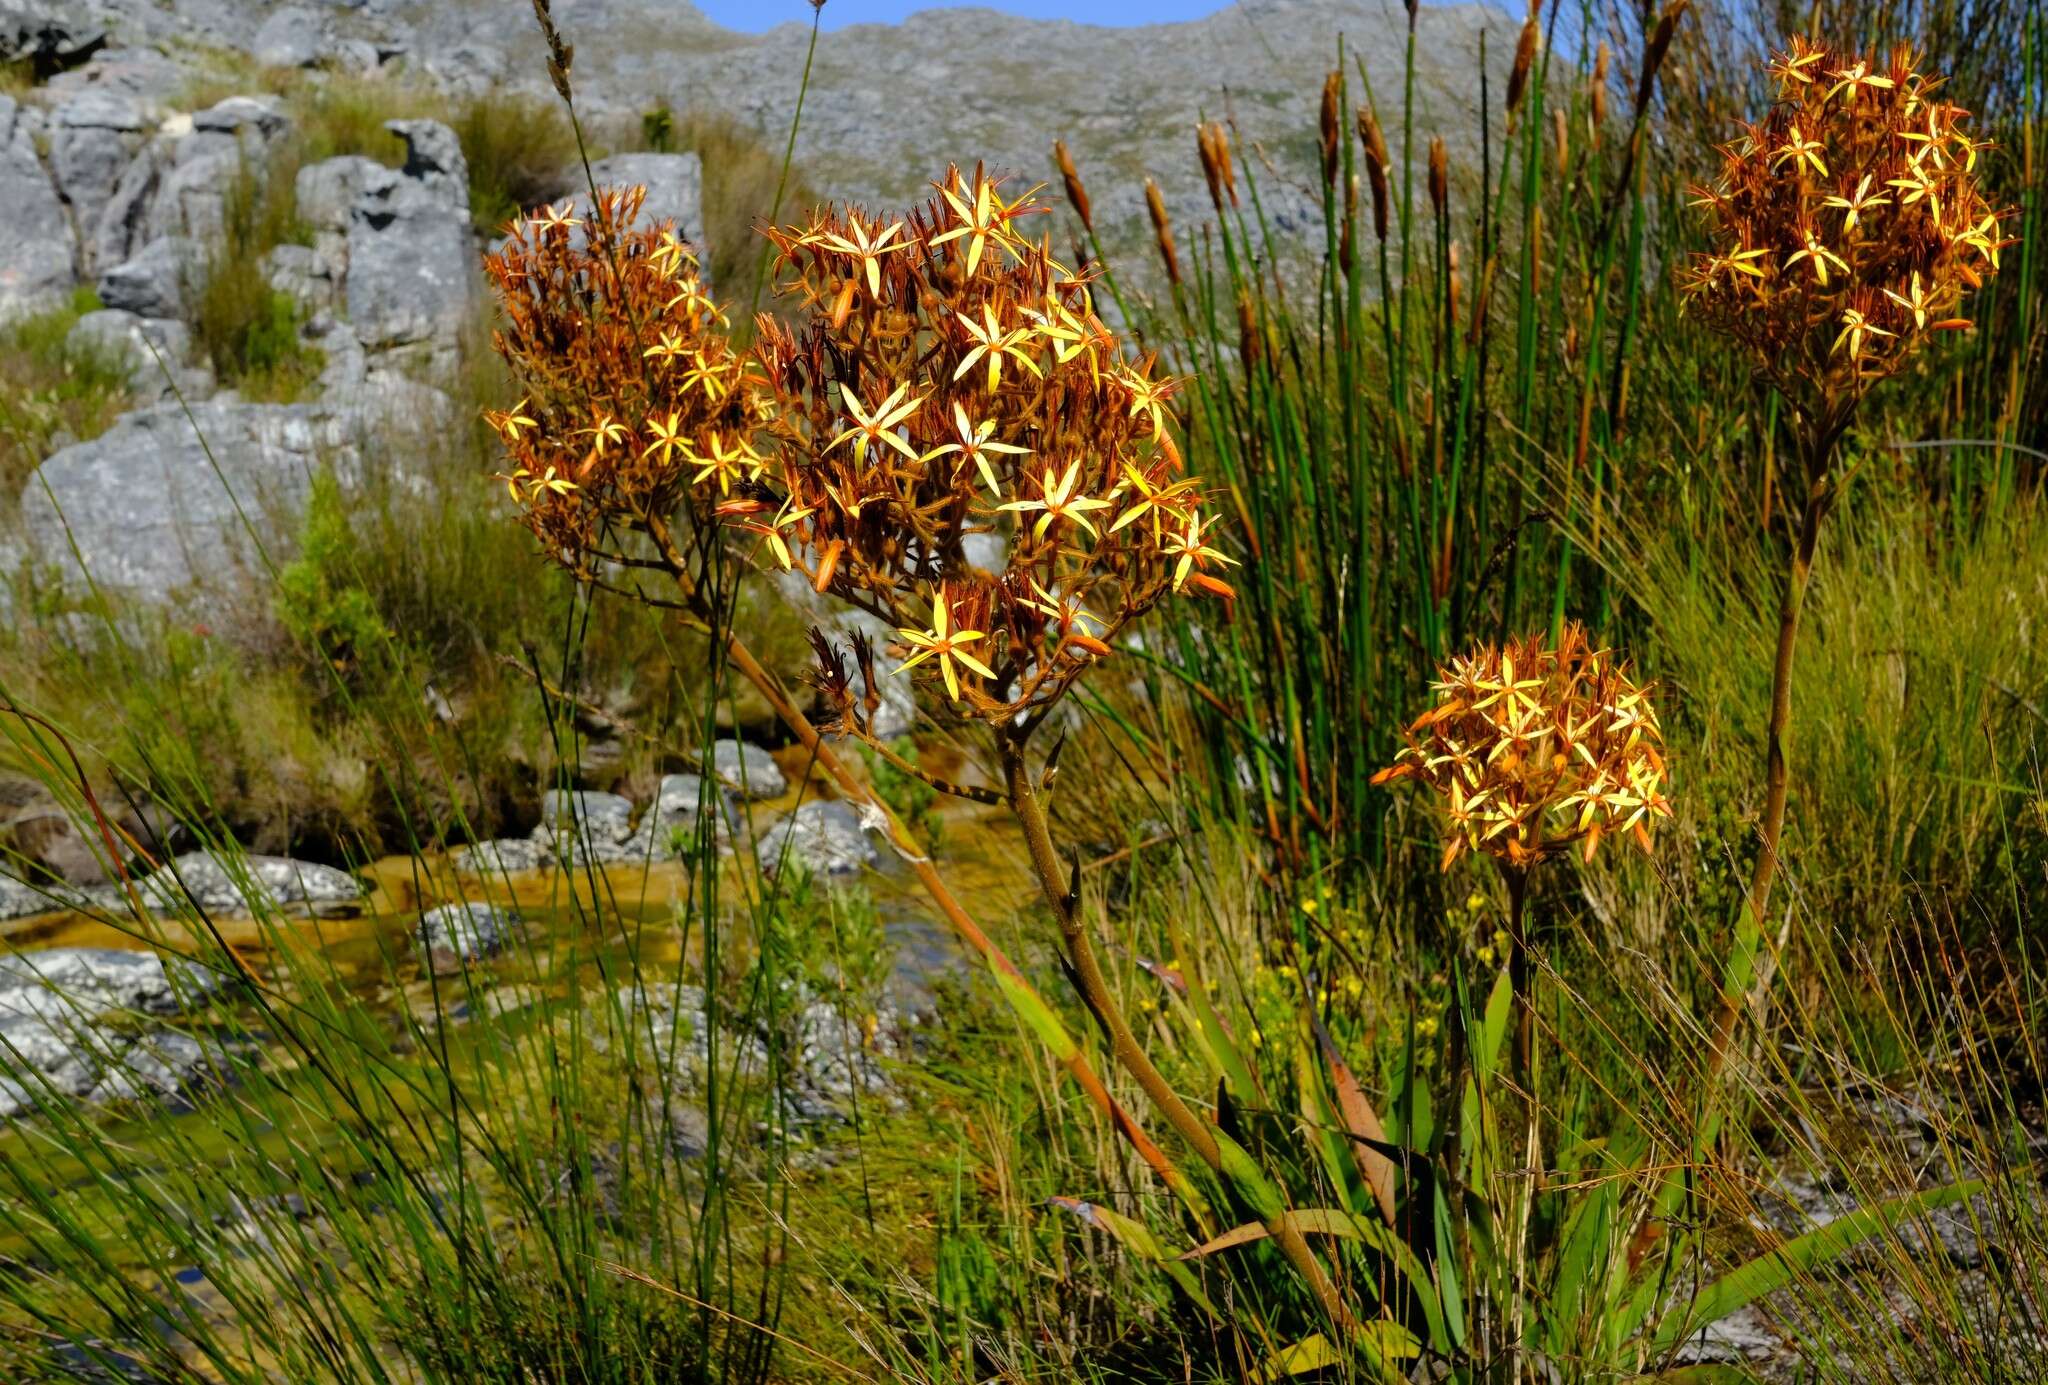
(1162, 229)
(1525, 53)
(1332, 124)
(1656, 48)
(1439, 176)
(1077, 195)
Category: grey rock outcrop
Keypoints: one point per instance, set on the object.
(825, 837)
(247, 884)
(326, 194)
(228, 141)
(410, 269)
(147, 509)
(93, 138)
(290, 37)
(36, 254)
(434, 160)
(674, 183)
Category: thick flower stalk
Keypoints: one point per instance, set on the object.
(1846, 228)
(952, 379)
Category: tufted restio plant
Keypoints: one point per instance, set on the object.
(1846, 227)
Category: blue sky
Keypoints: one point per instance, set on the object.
(753, 16)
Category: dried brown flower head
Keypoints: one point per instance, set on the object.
(1533, 749)
(1847, 225)
(636, 404)
(952, 379)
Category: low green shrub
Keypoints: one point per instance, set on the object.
(50, 392)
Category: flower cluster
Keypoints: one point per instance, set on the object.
(1533, 749)
(636, 403)
(1846, 226)
(950, 379)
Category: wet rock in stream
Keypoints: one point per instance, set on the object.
(456, 934)
(68, 1030)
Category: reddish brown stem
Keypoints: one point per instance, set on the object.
(850, 787)
(1778, 731)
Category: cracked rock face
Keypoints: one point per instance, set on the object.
(36, 254)
(147, 508)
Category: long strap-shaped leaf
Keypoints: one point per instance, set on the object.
(1774, 1269)
(1137, 1238)
(1335, 1221)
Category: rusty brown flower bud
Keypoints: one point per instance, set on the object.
(1332, 124)
(1439, 176)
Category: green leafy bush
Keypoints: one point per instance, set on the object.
(319, 598)
(50, 391)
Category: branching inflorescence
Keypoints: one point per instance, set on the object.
(1846, 226)
(1535, 749)
(950, 379)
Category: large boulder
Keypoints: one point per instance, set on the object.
(36, 255)
(290, 37)
(148, 510)
(747, 769)
(455, 934)
(583, 825)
